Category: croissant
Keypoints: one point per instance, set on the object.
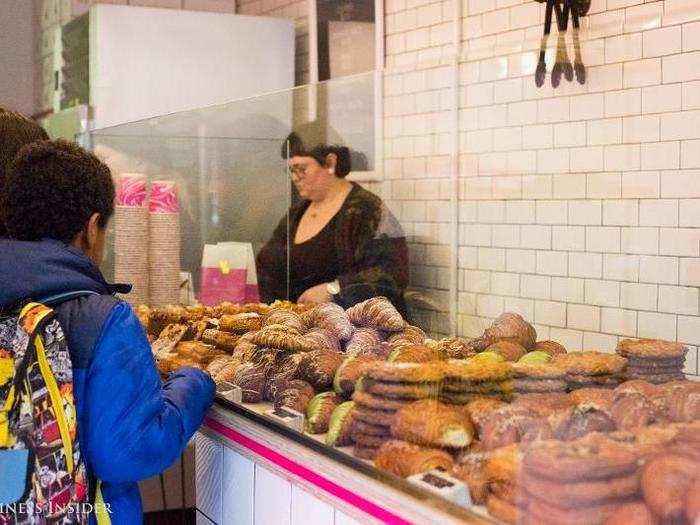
(510, 326)
(431, 423)
(285, 318)
(323, 339)
(377, 312)
(240, 323)
(363, 341)
(332, 318)
(405, 459)
(550, 347)
(224, 340)
(296, 395)
(319, 410)
(227, 372)
(455, 348)
(218, 364)
(169, 337)
(510, 350)
(319, 367)
(282, 337)
(415, 353)
(349, 372)
(409, 335)
(197, 351)
(251, 377)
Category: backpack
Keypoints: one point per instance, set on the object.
(43, 479)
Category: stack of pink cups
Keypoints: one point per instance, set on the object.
(131, 237)
(164, 246)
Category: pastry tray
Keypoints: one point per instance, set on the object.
(255, 412)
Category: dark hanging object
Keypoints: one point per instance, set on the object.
(564, 10)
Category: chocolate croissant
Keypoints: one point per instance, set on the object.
(363, 341)
(378, 313)
(240, 323)
(282, 337)
(431, 423)
(405, 459)
(330, 317)
(285, 318)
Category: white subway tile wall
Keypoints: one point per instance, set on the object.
(578, 205)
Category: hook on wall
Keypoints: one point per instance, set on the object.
(564, 10)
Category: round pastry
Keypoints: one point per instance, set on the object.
(340, 425)
(634, 387)
(503, 510)
(319, 368)
(371, 430)
(378, 313)
(511, 326)
(632, 412)
(404, 459)
(472, 371)
(544, 513)
(579, 421)
(512, 424)
(550, 347)
(406, 372)
(655, 362)
(349, 371)
(481, 408)
(579, 494)
(393, 390)
(409, 335)
(590, 363)
(323, 340)
(684, 405)
(361, 452)
(657, 379)
(571, 462)
(432, 423)
(286, 318)
(414, 353)
(375, 417)
(218, 364)
(634, 512)
(296, 395)
(692, 503)
(319, 410)
(651, 348)
(536, 357)
(510, 350)
(368, 440)
(543, 405)
(526, 385)
(665, 482)
(597, 398)
(363, 341)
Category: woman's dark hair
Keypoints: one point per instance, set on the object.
(51, 190)
(16, 131)
(294, 147)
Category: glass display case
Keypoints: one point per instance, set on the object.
(543, 190)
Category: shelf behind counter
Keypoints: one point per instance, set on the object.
(252, 469)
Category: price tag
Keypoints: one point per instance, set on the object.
(230, 392)
(288, 417)
(441, 483)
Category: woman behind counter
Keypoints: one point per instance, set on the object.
(345, 246)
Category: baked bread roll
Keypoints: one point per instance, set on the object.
(406, 459)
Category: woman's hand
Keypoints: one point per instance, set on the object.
(316, 294)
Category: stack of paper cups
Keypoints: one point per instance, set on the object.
(131, 236)
(164, 246)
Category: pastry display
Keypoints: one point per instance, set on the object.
(653, 360)
(378, 313)
(539, 434)
(319, 410)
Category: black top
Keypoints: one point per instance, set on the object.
(362, 246)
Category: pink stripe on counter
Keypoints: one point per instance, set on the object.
(308, 475)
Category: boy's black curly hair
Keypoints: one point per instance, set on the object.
(51, 190)
(16, 131)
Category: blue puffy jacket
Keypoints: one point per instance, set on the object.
(130, 425)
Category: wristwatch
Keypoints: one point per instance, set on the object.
(333, 288)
